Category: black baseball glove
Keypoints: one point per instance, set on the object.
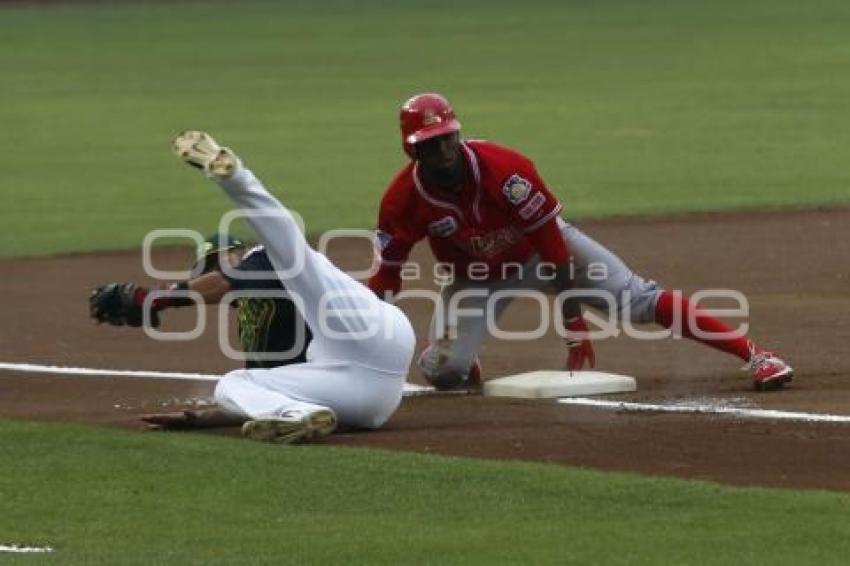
(120, 304)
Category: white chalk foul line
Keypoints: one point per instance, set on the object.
(409, 388)
(63, 370)
(412, 389)
(15, 549)
(707, 409)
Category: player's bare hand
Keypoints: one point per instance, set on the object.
(167, 421)
(191, 419)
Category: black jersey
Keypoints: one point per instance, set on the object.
(267, 325)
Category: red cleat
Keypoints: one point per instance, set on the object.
(769, 371)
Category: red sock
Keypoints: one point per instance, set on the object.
(668, 301)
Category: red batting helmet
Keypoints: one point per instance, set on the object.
(426, 116)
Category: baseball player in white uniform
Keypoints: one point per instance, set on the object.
(362, 347)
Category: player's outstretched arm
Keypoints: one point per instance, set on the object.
(123, 304)
(212, 286)
(191, 419)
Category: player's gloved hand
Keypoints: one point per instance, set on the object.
(580, 348)
(120, 304)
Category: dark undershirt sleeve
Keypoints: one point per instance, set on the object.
(256, 260)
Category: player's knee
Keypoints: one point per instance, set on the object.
(442, 369)
(641, 297)
(224, 390)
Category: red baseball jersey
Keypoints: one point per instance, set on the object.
(503, 214)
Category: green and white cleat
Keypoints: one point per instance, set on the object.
(291, 427)
(200, 150)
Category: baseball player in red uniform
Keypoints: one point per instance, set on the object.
(487, 213)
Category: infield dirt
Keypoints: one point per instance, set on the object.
(791, 265)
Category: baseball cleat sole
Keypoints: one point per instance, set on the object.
(774, 383)
(200, 150)
(291, 430)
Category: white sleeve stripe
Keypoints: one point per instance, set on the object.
(256, 249)
(392, 263)
(543, 220)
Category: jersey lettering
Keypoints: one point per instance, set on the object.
(443, 228)
(532, 206)
(494, 243)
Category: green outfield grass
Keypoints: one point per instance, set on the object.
(627, 107)
(110, 497)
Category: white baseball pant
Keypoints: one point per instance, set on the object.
(358, 360)
(595, 267)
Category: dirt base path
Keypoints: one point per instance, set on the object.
(792, 266)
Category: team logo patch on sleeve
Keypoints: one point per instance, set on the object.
(516, 189)
(533, 206)
(444, 227)
(383, 239)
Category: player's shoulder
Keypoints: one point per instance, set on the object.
(506, 175)
(401, 189)
(496, 155)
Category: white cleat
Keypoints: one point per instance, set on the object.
(200, 150)
(291, 426)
